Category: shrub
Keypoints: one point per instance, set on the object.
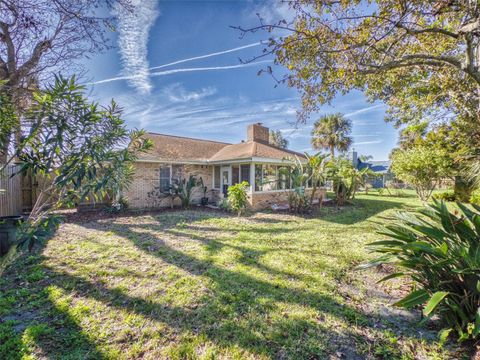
(421, 167)
(237, 197)
(298, 201)
(119, 205)
(440, 251)
(475, 197)
(224, 205)
(445, 196)
(184, 189)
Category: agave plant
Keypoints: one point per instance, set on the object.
(184, 189)
(440, 251)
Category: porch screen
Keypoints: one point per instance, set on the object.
(235, 174)
(216, 176)
(258, 178)
(245, 173)
(164, 178)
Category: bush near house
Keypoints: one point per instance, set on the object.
(237, 197)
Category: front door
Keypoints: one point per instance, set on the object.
(226, 179)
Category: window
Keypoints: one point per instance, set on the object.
(283, 177)
(165, 178)
(272, 177)
(235, 174)
(245, 173)
(269, 177)
(258, 178)
(216, 177)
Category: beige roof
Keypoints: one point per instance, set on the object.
(252, 149)
(177, 148)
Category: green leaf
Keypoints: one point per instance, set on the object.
(443, 335)
(391, 276)
(443, 248)
(434, 301)
(416, 297)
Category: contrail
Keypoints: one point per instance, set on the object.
(134, 28)
(207, 55)
(174, 71)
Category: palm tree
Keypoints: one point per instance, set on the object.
(332, 132)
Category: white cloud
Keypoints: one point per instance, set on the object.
(273, 11)
(177, 93)
(133, 27)
(365, 109)
(368, 142)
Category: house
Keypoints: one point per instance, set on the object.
(219, 164)
(380, 168)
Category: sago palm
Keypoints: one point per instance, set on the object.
(332, 132)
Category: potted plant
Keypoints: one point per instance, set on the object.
(204, 200)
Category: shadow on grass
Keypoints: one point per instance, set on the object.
(361, 209)
(236, 311)
(29, 318)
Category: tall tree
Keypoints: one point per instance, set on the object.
(276, 138)
(75, 149)
(421, 57)
(41, 37)
(332, 132)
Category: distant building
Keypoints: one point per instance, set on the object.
(380, 168)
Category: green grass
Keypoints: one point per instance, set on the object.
(204, 285)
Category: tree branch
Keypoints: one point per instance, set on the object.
(7, 39)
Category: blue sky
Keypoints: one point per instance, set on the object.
(214, 97)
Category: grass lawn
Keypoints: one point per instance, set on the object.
(198, 284)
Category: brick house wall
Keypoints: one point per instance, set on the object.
(147, 177)
(264, 200)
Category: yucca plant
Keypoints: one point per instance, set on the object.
(440, 251)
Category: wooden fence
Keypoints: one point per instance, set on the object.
(10, 191)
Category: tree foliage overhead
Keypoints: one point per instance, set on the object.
(421, 57)
(40, 37)
(332, 132)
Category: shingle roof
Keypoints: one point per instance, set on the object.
(376, 166)
(251, 149)
(177, 148)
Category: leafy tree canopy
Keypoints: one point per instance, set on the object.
(420, 57)
(422, 167)
(75, 149)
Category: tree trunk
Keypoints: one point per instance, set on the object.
(332, 152)
(4, 152)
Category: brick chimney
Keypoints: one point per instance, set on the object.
(258, 132)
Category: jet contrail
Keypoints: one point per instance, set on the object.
(174, 71)
(207, 55)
